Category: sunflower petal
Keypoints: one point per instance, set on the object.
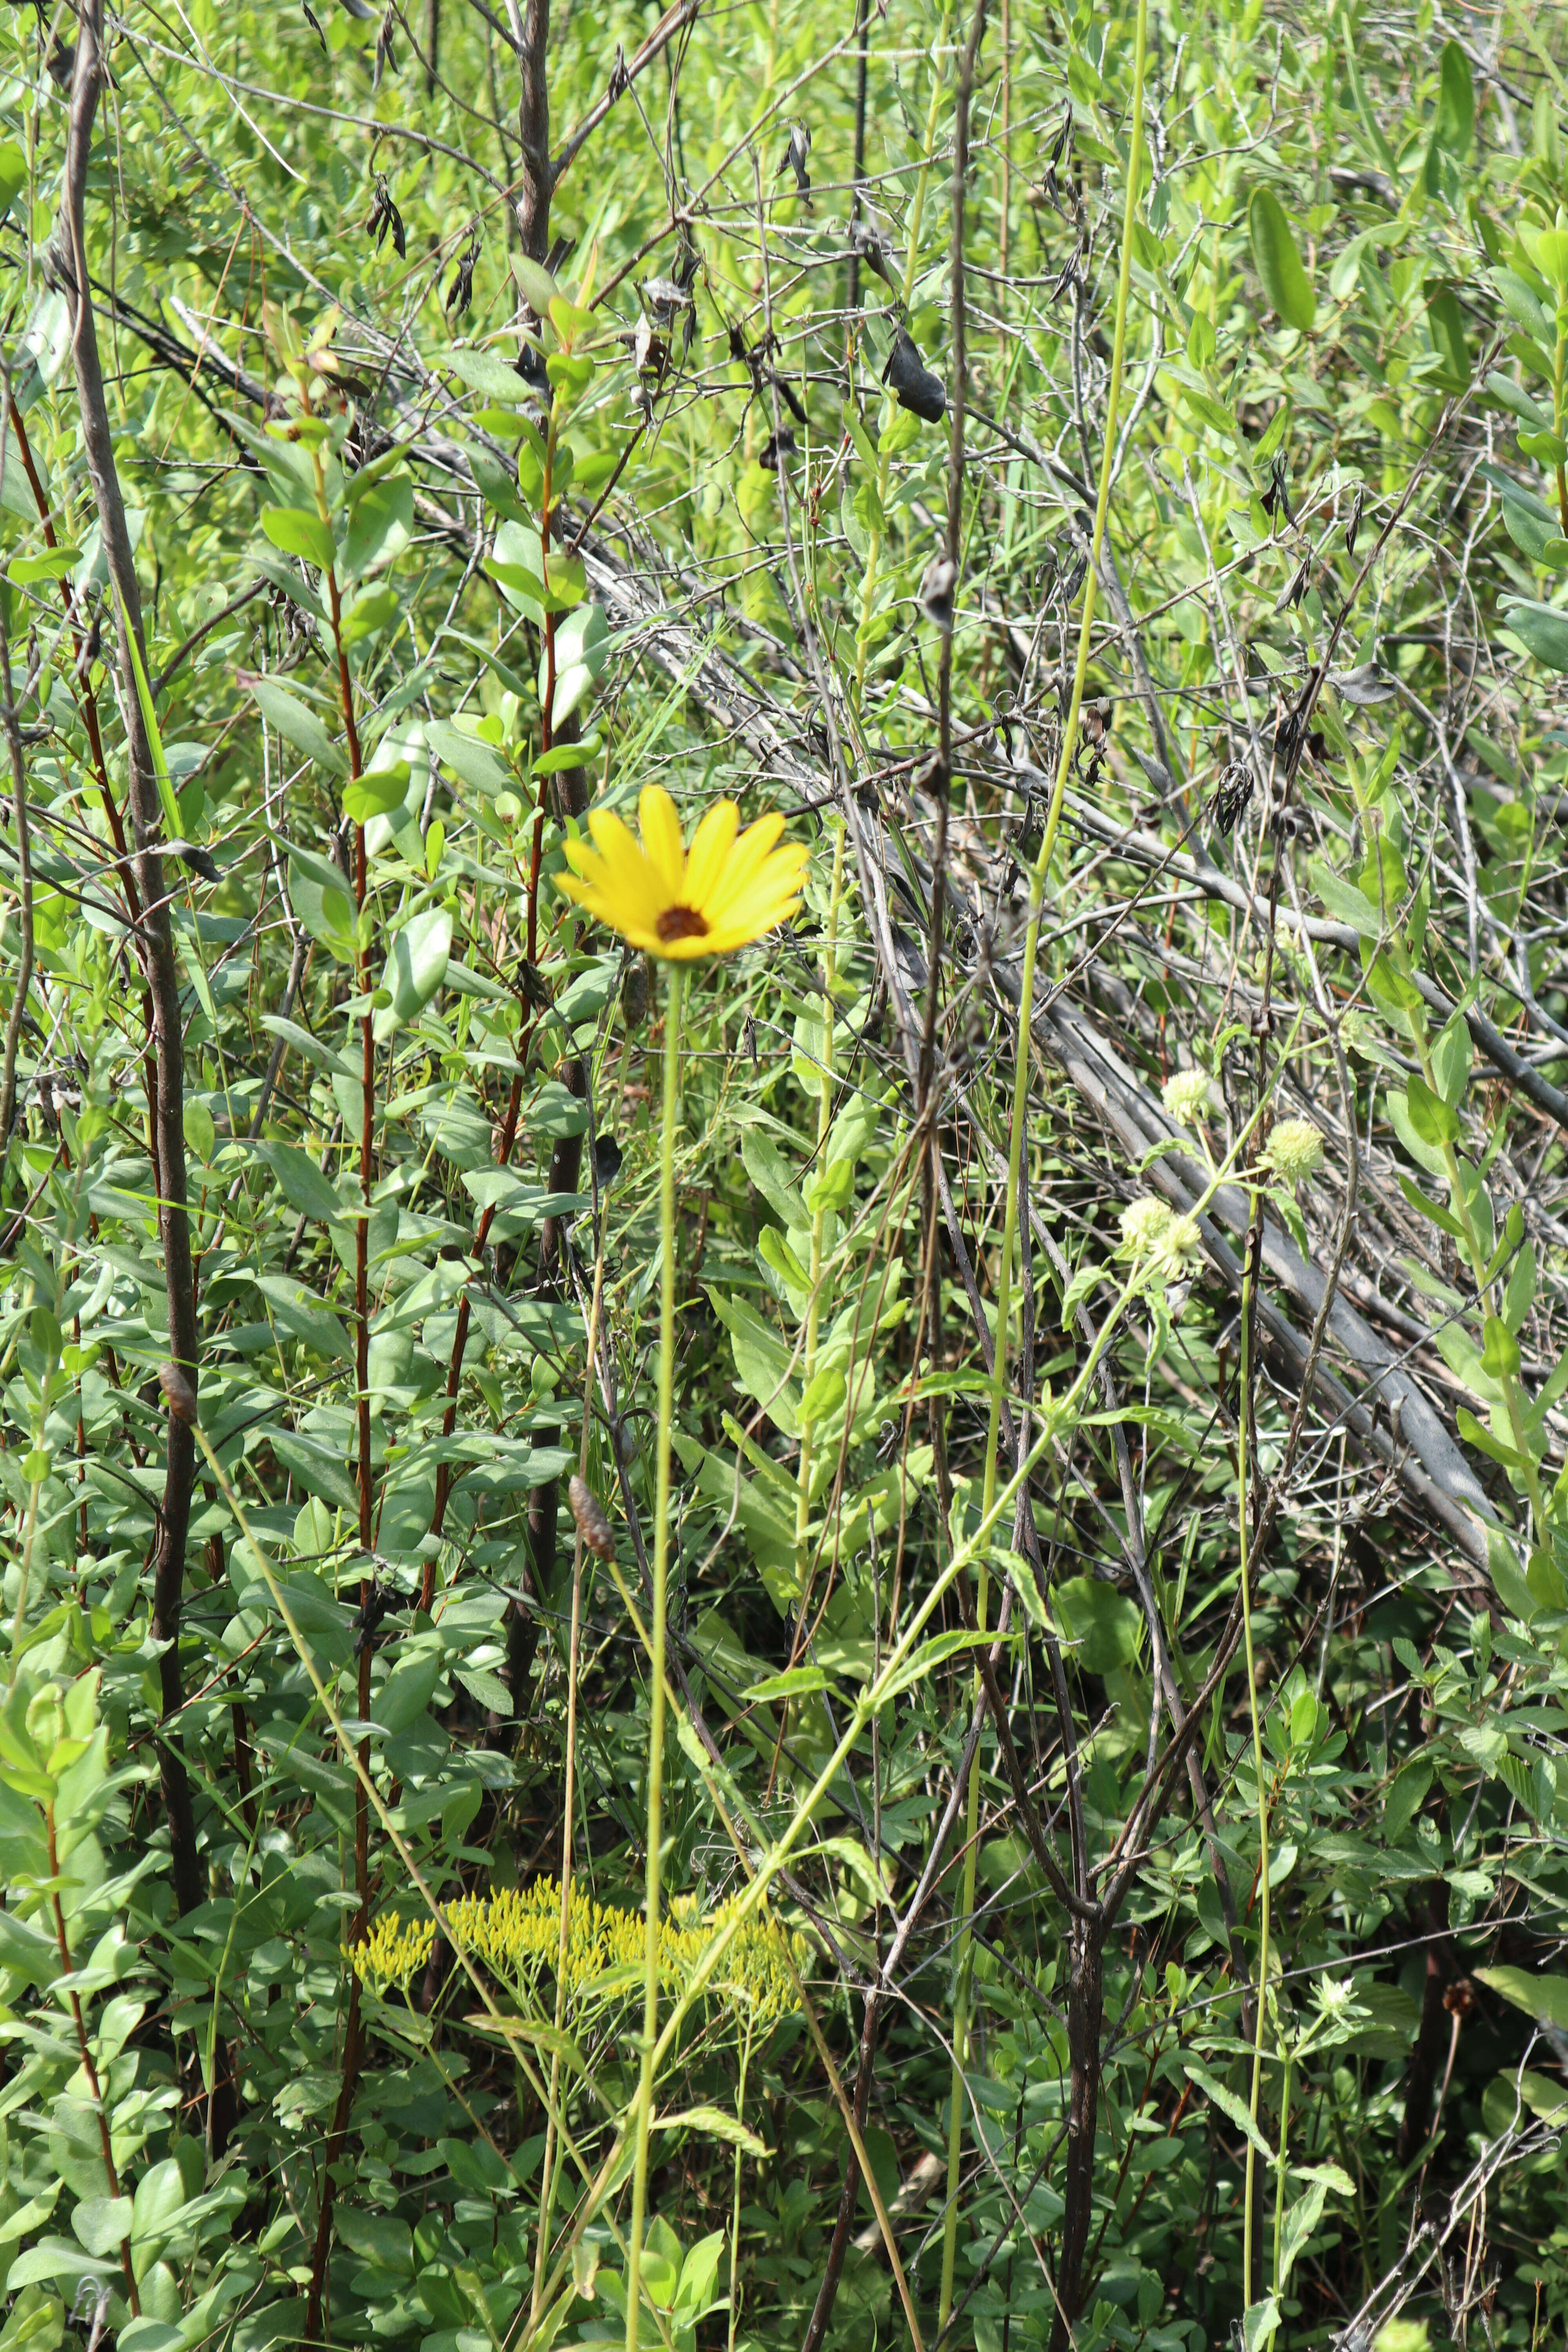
(709, 858)
(661, 829)
(746, 860)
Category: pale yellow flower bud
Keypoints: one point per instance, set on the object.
(1295, 1149)
(1186, 1096)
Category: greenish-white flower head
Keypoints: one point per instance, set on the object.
(1144, 1224)
(1295, 1149)
(1186, 1096)
(1183, 1240)
(1358, 1030)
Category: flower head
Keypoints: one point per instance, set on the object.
(726, 891)
(393, 1950)
(1186, 1094)
(1295, 1149)
(1182, 1239)
(1358, 1031)
(1145, 1223)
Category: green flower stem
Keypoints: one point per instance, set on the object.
(963, 1977)
(1279, 2174)
(1260, 1989)
(1037, 881)
(890, 407)
(1070, 732)
(819, 1216)
(735, 2208)
(656, 1661)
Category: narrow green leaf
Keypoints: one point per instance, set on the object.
(1284, 280)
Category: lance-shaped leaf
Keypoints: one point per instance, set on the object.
(1279, 266)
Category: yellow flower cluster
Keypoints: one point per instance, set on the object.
(393, 1950)
(515, 1932)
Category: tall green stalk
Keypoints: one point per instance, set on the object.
(1037, 881)
(819, 1214)
(1260, 1982)
(660, 1581)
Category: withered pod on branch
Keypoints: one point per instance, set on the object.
(911, 382)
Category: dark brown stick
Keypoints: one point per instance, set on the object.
(531, 38)
(157, 950)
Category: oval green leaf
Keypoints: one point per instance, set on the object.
(1279, 266)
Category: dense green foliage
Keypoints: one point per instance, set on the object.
(1128, 1800)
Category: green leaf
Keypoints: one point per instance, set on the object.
(150, 721)
(1300, 2220)
(1542, 631)
(1233, 2109)
(416, 967)
(713, 2123)
(1434, 1120)
(1507, 1578)
(307, 1188)
(487, 373)
(1456, 122)
(1524, 306)
(1345, 901)
(12, 175)
(793, 1682)
(324, 909)
(54, 564)
(1540, 1995)
(473, 762)
(1442, 1218)
(377, 793)
(1405, 1792)
(297, 532)
(1451, 1059)
(762, 1363)
(103, 2223)
(1500, 1352)
(1446, 325)
(297, 725)
(581, 649)
(314, 1049)
(1285, 281)
(1107, 1627)
(380, 527)
(409, 1690)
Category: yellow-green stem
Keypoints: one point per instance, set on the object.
(656, 1661)
(1260, 1982)
(1279, 2174)
(889, 406)
(1042, 863)
(963, 1975)
(820, 1213)
(1020, 1093)
(735, 2210)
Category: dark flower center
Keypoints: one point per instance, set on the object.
(681, 923)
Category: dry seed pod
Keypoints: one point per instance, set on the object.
(592, 1525)
(179, 1395)
(634, 990)
(911, 382)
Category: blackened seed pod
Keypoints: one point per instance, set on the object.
(911, 382)
(634, 992)
(178, 1393)
(1231, 794)
(592, 1525)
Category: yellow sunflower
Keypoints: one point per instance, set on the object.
(726, 891)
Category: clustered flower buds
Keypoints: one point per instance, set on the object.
(1186, 1096)
(1144, 1224)
(1151, 1229)
(1183, 1239)
(1295, 1149)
